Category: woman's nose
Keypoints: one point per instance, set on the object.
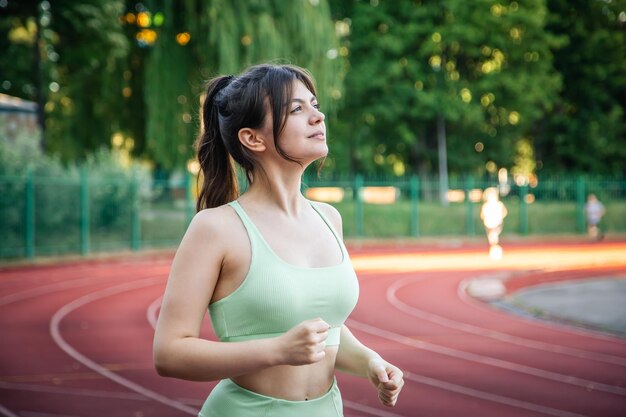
(318, 116)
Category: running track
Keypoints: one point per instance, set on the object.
(77, 337)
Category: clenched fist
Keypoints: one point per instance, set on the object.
(304, 343)
(387, 379)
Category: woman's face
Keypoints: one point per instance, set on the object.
(304, 136)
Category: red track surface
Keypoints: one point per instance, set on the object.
(77, 338)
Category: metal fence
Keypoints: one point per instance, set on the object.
(42, 216)
(552, 206)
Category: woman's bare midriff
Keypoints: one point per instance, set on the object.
(294, 383)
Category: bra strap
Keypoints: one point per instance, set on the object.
(332, 229)
(247, 222)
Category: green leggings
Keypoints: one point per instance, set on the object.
(230, 400)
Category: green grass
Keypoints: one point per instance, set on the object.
(436, 220)
(162, 225)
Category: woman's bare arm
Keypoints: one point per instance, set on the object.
(178, 349)
(357, 359)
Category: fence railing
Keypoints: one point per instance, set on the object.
(42, 216)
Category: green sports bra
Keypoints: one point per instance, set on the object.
(276, 296)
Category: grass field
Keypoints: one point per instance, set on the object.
(436, 220)
(162, 225)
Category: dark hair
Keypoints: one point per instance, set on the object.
(233, 103)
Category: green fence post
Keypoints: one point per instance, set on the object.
(523, 210)
(84, 212)
(580, 204)
(135, 225)
(29, 216)
(415, 221)
(469, 219)
(189, 203)
(359, 214)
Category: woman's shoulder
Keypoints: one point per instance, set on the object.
(330, 212)
(212, 233)
(216, 220)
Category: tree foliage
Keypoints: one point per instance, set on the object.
(109, 72)
(485, 67)
(79, 47)
(91, 49)
(224, 38)
(586, 131)
(533, 85)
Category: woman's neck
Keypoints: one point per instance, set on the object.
(277, 188)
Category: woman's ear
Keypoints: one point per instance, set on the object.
(251, 139)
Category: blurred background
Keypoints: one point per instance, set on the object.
(428, 104)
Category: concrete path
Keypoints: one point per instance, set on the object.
(598, 303)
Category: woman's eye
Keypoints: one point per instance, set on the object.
(317, 106)
(298, 108)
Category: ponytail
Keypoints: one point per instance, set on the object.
(220, 184)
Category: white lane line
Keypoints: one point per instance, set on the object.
(39, 414)
(481, 331)
(511, 402)
(82, 392)
(67, 348)
(488, 396)
(6, 412)
(47, 389)
(57, 286)
(152, 313)
(44, 290)
(486, 360)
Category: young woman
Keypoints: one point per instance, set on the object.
(270, 265)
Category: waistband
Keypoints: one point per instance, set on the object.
(230, 384)
(231, 400)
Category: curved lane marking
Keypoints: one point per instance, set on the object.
(72, 391)
(459, 389)
(493, 334)
(471, 392)
(152, 313)
(83, 392)
(6, 412)
(67, 348)
(486, 360)
(43, 290)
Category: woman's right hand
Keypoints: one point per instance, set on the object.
(304, 344)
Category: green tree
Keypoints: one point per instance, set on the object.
(200, 39)
(134, 71)
(91, 48)
(67, 56)
(483, 67)
(586, 131)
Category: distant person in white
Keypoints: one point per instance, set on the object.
(492, 214)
